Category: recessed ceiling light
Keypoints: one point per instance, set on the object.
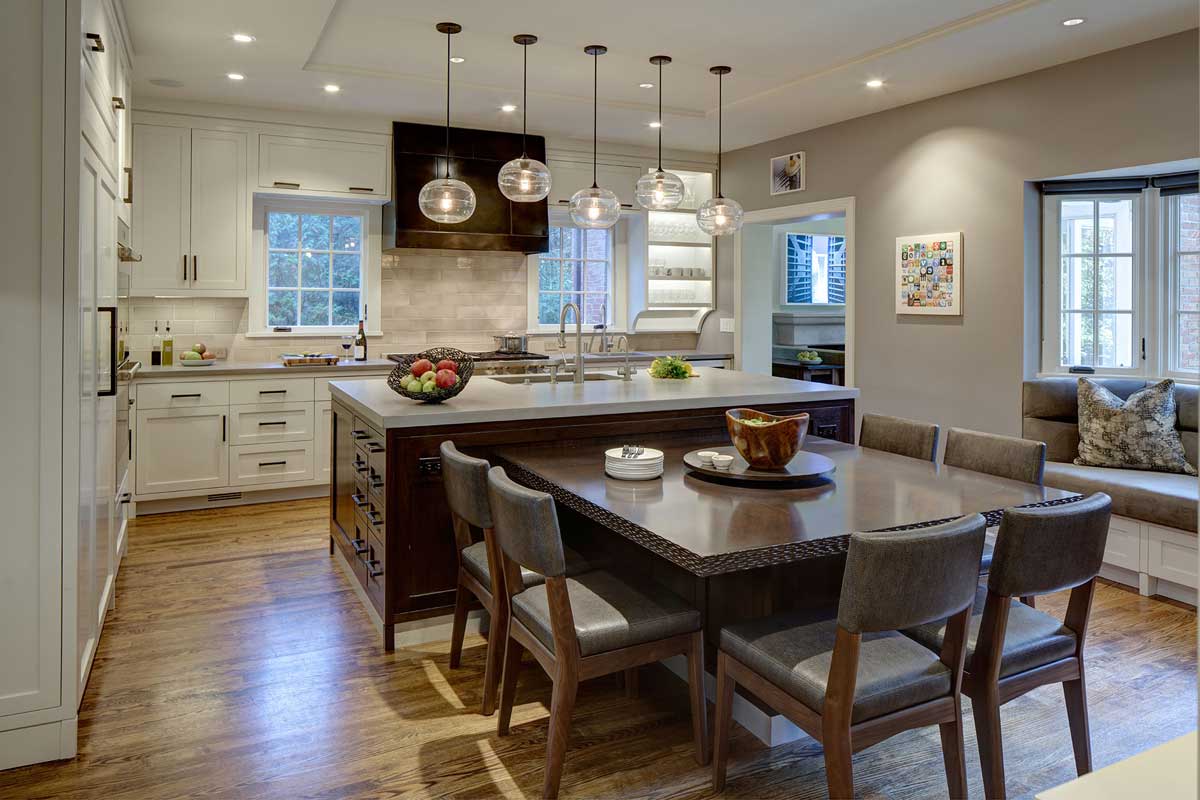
(243, 38)
(236, 76)
(332, 88)
(874, 83)
(645, 85)
(1073, 21)
(508, 108)
(457, 59)
(655, 124)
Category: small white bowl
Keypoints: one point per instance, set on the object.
(721, 462)
(706, 457)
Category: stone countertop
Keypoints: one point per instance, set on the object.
(487, 399)
(250, 368)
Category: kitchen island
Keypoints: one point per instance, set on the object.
(388, 521)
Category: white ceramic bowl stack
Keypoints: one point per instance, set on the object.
(633, 463)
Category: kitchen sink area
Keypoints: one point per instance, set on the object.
(546, 378)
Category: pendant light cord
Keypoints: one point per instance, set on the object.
(595, 127)
(660, 120)
(720, 122)
(524, 96)
(448, 106)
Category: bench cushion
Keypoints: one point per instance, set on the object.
(1156, 497)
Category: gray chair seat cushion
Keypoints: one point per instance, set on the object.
(610, 612)
(474, 558)
(1157, 497)
(793, 651)
(1032, 638)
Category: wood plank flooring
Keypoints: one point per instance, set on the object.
(238, 664)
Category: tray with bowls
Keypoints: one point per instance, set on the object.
(308, 359)
(633, 463)
(726, 464)
(410, 378)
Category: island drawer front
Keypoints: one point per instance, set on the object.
(372, 513)
(350, 550)
(271, 390)
(377, 470)
(263, 423)
(253, 464)
(375, 564)
(183, 395)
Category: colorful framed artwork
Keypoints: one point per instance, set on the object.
(929, 274)
(787, 173)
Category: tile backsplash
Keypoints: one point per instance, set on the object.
(429, 297)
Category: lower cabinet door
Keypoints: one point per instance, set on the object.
(181, 449)
(253, 464)
(1172, 556)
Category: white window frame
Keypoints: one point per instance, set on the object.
(372, 270)
(618, 279)
(1051, 283)
(1169, 208)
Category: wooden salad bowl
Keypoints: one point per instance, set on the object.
(769, 444)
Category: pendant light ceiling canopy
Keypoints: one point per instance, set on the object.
(524, 179)
(719, 215)
(595, 207)
(660, 190)
(446, 199)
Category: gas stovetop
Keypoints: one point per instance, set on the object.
(494, 355)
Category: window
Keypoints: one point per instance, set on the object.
(1183, 263)
(815, 269)
(578, 268)
(315, 264)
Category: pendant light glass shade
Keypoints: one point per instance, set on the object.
(595, 208)
(446, 199)
(524, 179)
(660, 190)
(718, 216)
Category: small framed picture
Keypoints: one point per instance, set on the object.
(787, 173)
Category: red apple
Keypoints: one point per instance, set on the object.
(446, 363)
(421, 366)
(445, 379)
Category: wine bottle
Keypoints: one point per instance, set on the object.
(168, 347)
(156, 348)
(360, 343)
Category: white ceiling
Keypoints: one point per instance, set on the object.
(797, 64)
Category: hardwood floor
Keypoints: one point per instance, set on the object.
(238, 664)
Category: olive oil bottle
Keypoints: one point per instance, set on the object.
(168, 347)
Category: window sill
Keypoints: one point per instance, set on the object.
(1128, 376)
(312, 333)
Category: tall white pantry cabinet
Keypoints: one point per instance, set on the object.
(65, 149)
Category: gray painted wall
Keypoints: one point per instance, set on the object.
(961, 162)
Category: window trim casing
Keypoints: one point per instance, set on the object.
(1169, 210)
(371, 290)
(618, 277)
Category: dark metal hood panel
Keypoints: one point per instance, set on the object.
(498, 224)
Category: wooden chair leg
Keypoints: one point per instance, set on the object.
(991, 748)
(723, 724)
(699, 704)
(1075, 693)
(1029, 600)
(561, 705)
(462, 599)
(954, 756)
(839, 771)
(630, 682)
(495, 657)
(508, 685)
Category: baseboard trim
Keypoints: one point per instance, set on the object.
(247, 497)
(50, 741)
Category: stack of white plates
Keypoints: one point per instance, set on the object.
(633, 463)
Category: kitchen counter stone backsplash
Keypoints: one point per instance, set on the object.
(430, 297)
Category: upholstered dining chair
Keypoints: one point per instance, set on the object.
(904, 437)
(581, 627)
(465, 479)
(1012, 648)
(853, 681)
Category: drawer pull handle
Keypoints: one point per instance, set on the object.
(185, 267)
(358, 434)
(118, 103)
(97, 42)
(362, 188)
(360, 546)
(272, 463)
(286, 185)
(272, 391)
(375, 447)
(359, 500)
(128, 199)
(374, 517)
(372, 568)
(177, 396)
(429, 465)
(281, 422)
(360, 467)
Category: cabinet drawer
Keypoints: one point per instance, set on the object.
(1172, 556)
(372, 512)
(183, 395)
(288, 162)
(375, 562)
(263, 423)
(253, 464)
(271, 390)
(353, 550)
(1124, 545)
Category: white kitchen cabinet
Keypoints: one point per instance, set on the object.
(255, 464)
(271, 390)
(123, 111)
(324, 411)
(264, 423)
(182, 449)
(568, 177)
(183, 394)
(292, 163)
(218, 204)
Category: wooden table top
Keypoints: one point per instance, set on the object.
(709, 528)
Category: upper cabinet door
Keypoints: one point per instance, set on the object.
(315, 165)
(162, 208)
(218, 203)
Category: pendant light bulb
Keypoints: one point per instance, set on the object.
(719, 216)
(660, 190)
(524, 179)
(595, 207)
(445, 199)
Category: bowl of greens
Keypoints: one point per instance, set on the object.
(671, 368)
(808, 357)
(765, 440)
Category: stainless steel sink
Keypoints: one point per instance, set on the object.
(541, 378)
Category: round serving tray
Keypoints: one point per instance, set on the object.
(805, 468)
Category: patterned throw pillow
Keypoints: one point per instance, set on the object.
(1138, 433)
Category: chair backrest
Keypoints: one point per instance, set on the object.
(1040, 550)
(1002, 456)
(901, 579)
(526, 525)
(905, 437)
(465, 479)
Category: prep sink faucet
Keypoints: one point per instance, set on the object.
(562, 338)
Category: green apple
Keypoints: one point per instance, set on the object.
(189, 355)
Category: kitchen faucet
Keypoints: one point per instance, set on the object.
(562, 338)
(628, 372)
(605, 343)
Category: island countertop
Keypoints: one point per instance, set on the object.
(489, 400)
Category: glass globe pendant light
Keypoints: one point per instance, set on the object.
(524, 179)
(660, 190)
(446, 199)
(719, 215)
(595, 207)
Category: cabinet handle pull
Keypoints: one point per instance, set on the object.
(272, 463)
(97, 42)
(119, 103)
(374, 517)
(358, 434)
(371, 568)
(272, 391)
(195, 268)
(185, 267)
(359, 466)
(375, 447)
(128, 198)
(222, 427)
(358, 500)
(286, 185)
(175, 396)
(362, 189)
(360, 546)
(264, 424)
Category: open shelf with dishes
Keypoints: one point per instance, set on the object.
(681, 262)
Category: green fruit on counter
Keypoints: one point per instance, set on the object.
(189, 355)
(199, 347)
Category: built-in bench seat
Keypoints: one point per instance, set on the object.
(1153, 535)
